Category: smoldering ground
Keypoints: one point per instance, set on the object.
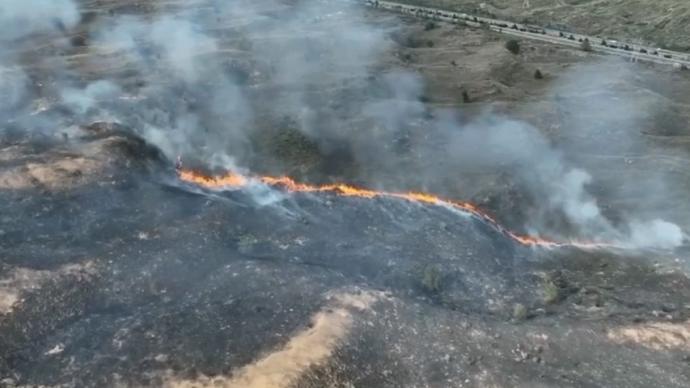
(205, 82)
(113, 272)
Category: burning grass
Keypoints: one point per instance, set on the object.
(236, 180)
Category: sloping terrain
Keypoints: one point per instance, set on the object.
(663, 22)
(140, 279)
(116, 272)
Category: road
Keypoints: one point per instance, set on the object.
(633, 52)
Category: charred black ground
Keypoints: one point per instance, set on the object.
(113, 272)
(147, 277)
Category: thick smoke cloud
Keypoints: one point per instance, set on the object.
(556, 185)
(605, 121)
(19, 18)
(202, 81)
(12, 88)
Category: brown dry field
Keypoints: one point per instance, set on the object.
(665, 22)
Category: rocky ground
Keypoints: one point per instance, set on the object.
(113, 272)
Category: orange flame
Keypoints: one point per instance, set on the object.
(228, 180)
(234, 180)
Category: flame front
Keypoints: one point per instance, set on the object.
(234, 180)
(228, 180)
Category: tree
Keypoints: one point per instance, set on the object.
(538, 74)
(585, 45)
(465, 97)
(513, 46)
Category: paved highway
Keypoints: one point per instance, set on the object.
(633, 52)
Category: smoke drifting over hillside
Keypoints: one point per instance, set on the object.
(19, 18)
(207, 78)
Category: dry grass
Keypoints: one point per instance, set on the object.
(306, 349)
(664, 22)
(656, 335)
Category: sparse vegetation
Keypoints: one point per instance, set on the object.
(287, 144)
(431, 279)
(586, 45)
(519, 312)
(245, 242)
(513, 46)
(430, 26)
(555, 287)
(550, 291)
(669, 27)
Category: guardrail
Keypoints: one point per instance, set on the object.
(634, 52)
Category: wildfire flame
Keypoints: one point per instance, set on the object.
(235, 180)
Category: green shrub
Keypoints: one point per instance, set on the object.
(431, 279)
(586, 45)
(513, 46)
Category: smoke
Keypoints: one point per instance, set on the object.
(206, 82)
(656, 233)
(557, 172)
(13, 83)
(493, 142)
(19, 18)
(82, 102)
(569, 194)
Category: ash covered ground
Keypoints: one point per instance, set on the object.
(114, 272)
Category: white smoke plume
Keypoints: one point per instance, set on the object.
(83, 101)
(12, 88)
(19, 18)
(656, 233)
(207, 77)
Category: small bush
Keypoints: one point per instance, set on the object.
(513, 46)
(519, 312)
(431, 279)
(585, 45)
(429, 43)
(78, 41)
(551, 293)
(538, 74)
(429, 26)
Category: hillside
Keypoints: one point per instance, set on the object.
(664, 22)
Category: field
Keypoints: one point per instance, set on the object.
(664, 22)
(118, 269)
